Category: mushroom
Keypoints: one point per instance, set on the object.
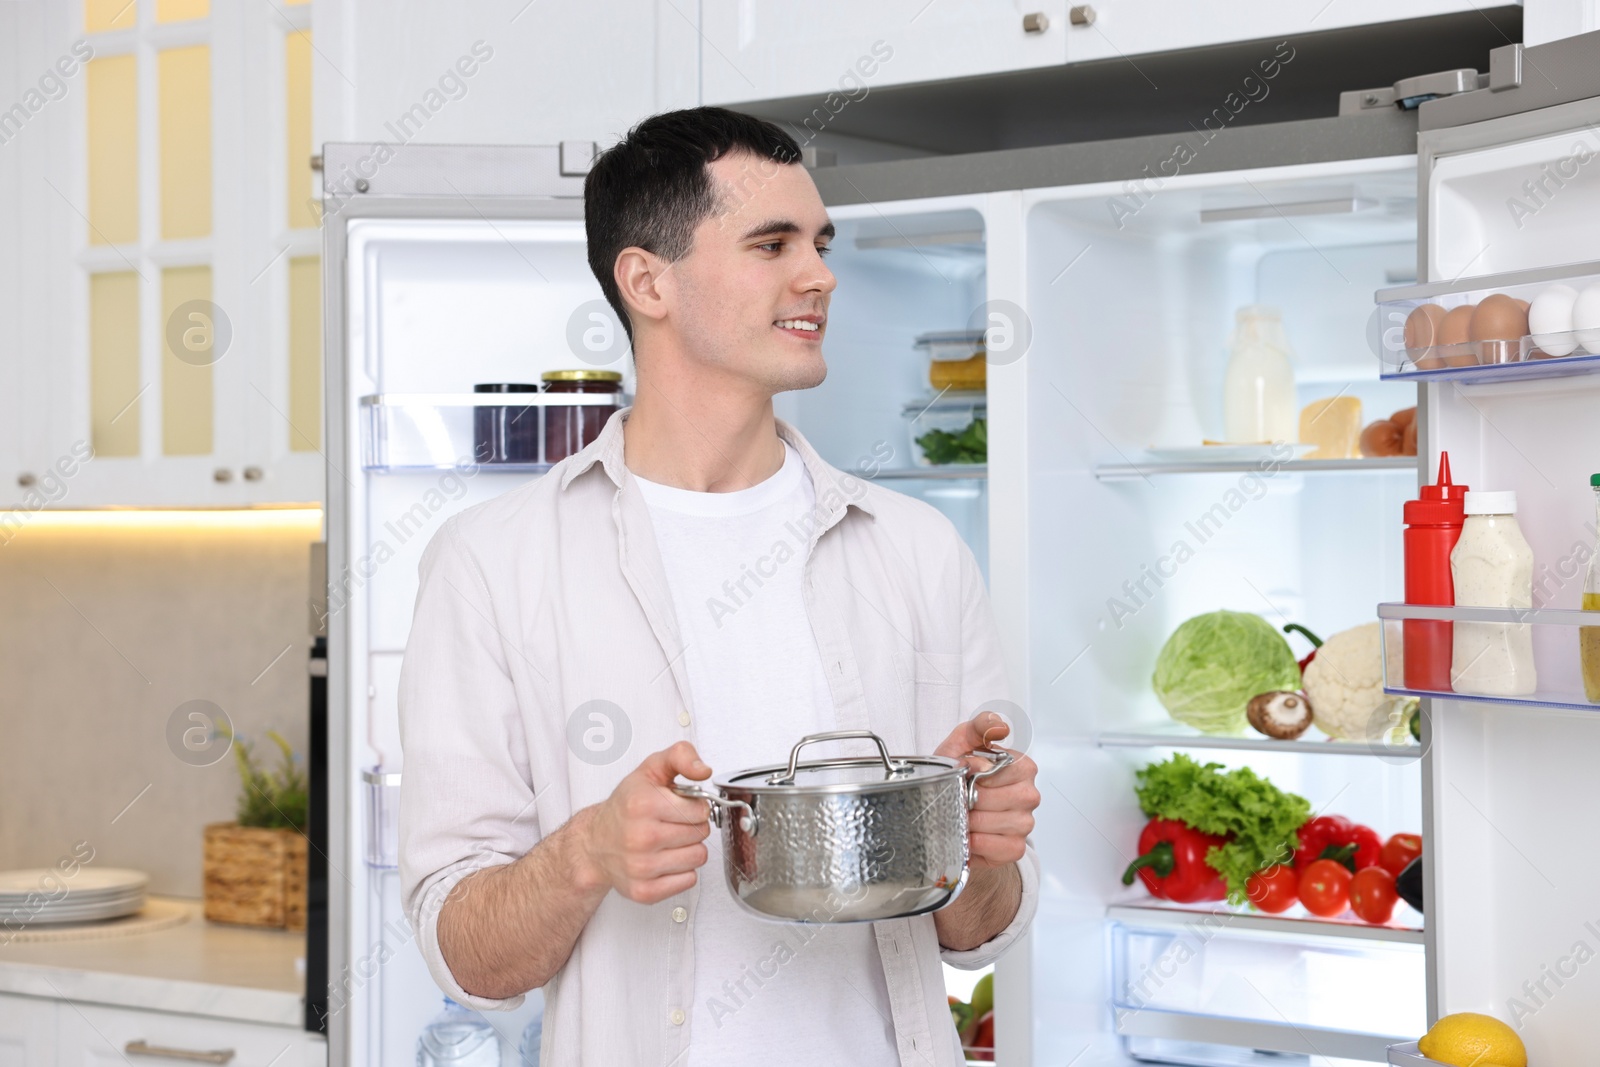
(1279, 714)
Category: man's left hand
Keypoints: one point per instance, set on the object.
(997, 828)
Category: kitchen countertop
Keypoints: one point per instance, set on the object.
(195, 968)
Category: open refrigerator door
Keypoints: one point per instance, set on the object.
(1511, 212)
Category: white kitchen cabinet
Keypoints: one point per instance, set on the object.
(754, 51)
(54, 255)
(90, 1035)
(27, 1032)
(1123, 28)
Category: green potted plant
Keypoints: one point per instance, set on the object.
(255, 866)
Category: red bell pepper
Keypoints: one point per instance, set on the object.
(1316, 642)
(1172, 863)
(1333, 837)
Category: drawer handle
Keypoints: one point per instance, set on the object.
(144, 1048)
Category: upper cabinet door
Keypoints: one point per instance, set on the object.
(1122, 28)
(839, 50)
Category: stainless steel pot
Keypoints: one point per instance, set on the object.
(846, 840)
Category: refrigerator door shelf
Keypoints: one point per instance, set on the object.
(382, 790)
(1561, 348)
(1406, 1055)
(440, 431)
(1560, 637)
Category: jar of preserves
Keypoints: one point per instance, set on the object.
(505, 434)
(569, 428)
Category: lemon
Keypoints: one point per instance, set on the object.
(1468, 1039)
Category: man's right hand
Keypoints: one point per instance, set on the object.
(644, 840)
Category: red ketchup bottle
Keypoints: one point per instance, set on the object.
(1433, 524)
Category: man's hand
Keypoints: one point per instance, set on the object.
(644, 840)
(1003, 818)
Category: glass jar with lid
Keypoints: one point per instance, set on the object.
(568, 429)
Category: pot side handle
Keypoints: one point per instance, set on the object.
(969, 777)
(747, 822)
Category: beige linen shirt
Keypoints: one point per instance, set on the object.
(545, 662)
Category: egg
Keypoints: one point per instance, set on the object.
(1453, 331)
(1550, 320)
(1586, 319)
(1498, 318)
(1422, 333)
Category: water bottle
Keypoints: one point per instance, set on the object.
(458, 1037)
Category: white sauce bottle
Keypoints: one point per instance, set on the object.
(1492, 567)
(1258, 398)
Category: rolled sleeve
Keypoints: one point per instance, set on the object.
(985, 681)
(466, 795)
(983, 955)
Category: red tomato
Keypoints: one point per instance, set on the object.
(982, 1047)
(1398, 851)
(1372, 895)
(1325, 888)
(1274, 889)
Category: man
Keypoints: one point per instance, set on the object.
(694, 590)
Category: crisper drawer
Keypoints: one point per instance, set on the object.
(1229, 982)
(89, 1035)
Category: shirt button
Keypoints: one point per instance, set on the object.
(676, 1016)
(683, 718)
(679, 914)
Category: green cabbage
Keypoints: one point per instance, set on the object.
(1213, 664)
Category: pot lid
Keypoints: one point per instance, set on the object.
(845, 773)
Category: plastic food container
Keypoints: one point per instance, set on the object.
(956, 359)
(505, 434)
(568, 429)
(383, 816)
(944, 417)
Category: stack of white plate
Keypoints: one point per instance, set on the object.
(87, 895)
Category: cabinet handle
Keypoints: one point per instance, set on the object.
(252, 474)
(144, 1048)
(1035, 22)
(1081, 15)
(222, 474)
(26, 478)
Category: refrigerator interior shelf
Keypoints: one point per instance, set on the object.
(1280, 1037)
(1128, 471)
(1410, 331)
(1558, 638)
(950, 472)
(500, 432)
(1176, 738)
(1147, 911)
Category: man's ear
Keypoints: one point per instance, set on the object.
(638, 274)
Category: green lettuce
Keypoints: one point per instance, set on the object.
(1260, 818)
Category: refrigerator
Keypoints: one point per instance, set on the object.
(1106, 277)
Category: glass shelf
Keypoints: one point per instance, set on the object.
(441, 431)
(1177, 738)
(953, 472)
(1557, 344)
(1296, 923)
(1553, 634)
(1123, 472)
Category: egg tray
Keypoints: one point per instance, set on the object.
(1520, 325)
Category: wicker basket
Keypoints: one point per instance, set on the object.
(254, 876)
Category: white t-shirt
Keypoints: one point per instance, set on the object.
(768, 993)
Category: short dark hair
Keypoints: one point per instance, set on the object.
(652, 189)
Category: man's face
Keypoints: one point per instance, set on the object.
(751, 297)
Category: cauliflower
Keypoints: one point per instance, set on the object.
(1345, 681)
